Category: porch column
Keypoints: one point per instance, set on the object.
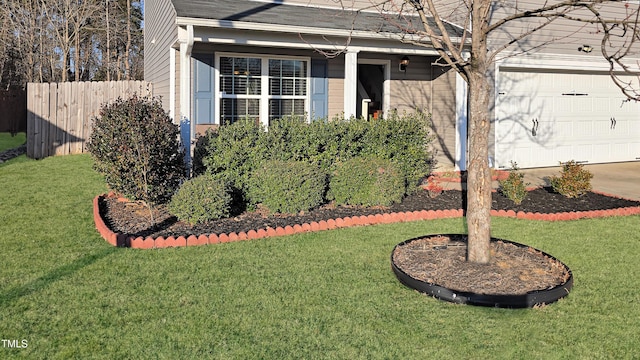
(186, 131)
(350, 83)
(462, 94)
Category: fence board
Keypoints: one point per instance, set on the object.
(75, 125)
(59, 115)
(49, 145)
(33, 102)
(60, 120)
(30, 122)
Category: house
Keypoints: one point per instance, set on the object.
(216, 61)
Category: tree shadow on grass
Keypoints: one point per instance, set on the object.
(53, 276)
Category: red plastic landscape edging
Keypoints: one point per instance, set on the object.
(124, 240)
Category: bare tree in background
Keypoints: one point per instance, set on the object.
(423, 23)
(61, 40)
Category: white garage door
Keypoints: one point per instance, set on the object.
(546, 118)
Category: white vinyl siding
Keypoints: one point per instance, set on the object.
(160, 33)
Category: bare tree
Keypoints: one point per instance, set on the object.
(486, 24)
(60, 40)
(66, 18)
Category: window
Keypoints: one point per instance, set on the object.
(287, 87)
(262, 88)
(240, 88)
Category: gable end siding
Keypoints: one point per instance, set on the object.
(160, 33)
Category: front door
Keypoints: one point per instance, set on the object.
(372, 82)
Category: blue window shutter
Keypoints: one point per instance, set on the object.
(319, 89)
(203, 89)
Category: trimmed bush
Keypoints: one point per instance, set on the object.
(288, 186)
(201, 199)
(234, 152)
(403, 139)
(135, 145)
(573, 181)
(367, 181)
(200, 152)
(514, 187)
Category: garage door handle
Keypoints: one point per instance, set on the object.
(613, 123)
(534, 127)
(575, 94)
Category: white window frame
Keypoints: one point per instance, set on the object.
(264, 96)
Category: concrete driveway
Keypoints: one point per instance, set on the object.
(620, 179)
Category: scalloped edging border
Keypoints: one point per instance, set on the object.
(124, 240)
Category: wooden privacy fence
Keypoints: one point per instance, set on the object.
(59, 115)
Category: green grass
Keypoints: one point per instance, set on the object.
(319, 295)
(9, 142)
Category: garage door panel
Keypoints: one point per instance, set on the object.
(561, 129)
(634, 149)
(620, 152)
(560, 154)
(601, 153)
(582, 129)
(562, 105)
(601, 104)
(563, 116)
(582, 104)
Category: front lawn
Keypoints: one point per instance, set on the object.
(328, 294)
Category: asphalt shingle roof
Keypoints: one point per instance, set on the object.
(293, 15)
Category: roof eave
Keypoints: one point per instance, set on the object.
(292, 29)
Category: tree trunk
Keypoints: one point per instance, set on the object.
(478, 171)
(76, 55)
(108, 57)
(127, 56)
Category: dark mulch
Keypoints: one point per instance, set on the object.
(134, 219)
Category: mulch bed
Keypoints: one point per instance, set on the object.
(137, 220)
(512, 270)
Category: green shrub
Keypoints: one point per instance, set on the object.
(514, 187)
(573, 181)
(367, 181)
(289, 139)
(200, 152)
(405, 141)
(135, 145)
(201, 199)
(234, 152)
(288, 186)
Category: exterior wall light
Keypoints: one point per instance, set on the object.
(404, 62)
(585, 49)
